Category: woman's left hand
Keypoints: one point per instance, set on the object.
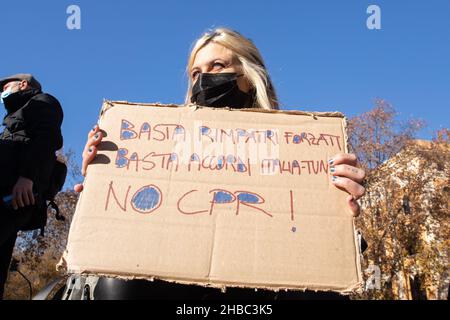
(346, 176)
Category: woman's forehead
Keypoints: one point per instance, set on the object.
(212, 51)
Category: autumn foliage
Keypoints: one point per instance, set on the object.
(405, 209)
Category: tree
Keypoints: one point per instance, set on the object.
(74, 175)
(377, 135)
(405, 210)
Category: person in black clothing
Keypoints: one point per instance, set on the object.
(28, 146)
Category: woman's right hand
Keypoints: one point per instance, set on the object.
(95, 136)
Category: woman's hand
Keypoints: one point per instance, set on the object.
(95, 136)
(346, 176)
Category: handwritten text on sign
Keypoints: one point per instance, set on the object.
(235, 151)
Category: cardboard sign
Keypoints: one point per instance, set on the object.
(216, 197)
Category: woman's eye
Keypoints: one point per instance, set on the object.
(194, 74)
(218, 65)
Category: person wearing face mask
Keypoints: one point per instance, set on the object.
(31, 136)
(226, 70)
(218, 90)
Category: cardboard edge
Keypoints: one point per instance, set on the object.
(359, 286)
(62, 265)
(108, 104)
(223, 286)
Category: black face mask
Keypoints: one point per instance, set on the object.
(17, 100)
(220, 90)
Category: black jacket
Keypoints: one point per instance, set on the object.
(35, 127)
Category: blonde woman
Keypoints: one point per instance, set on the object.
(225, 69)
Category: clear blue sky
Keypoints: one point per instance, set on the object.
(320, 53)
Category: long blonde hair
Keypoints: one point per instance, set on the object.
(250, 60)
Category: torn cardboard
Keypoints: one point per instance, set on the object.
(216, 197)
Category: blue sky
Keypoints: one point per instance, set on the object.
(320, 54)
